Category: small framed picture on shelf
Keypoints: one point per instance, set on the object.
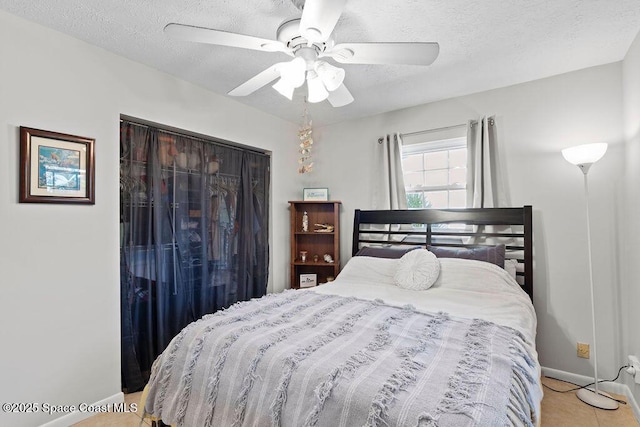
(315, 194)
(56, 167)
(308, 280)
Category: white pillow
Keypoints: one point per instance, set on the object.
(417, 270)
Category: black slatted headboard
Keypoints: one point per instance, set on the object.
(470, 227)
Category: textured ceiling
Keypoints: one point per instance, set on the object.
(484, 44)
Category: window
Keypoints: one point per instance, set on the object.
(435, 173)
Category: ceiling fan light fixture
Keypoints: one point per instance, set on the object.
(284, 88)
(307, 38)
(331, 76)
(294, 72)
(316, 90)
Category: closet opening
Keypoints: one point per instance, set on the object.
(194, 221)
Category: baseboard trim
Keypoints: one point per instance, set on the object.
(77, 416)
(609, 387)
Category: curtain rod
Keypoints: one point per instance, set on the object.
(192, 135)
(421, 132)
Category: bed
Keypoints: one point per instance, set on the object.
(369, 349)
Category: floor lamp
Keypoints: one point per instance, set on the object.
(584, 156)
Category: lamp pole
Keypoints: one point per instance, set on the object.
(594, 397)
(584, 156)
(593, 306)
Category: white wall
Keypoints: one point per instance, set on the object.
(630, 262)
(59, 303)
(535, 121)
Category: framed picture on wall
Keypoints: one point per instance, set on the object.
(315, 194)
(56, 167)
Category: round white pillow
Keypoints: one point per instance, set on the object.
(417, 270)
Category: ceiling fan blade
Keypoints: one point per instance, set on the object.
(223, 38)
(340, 97)
(258, 81)
(319, 18)
(385, 53)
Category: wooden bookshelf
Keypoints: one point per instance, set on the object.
(315, 243)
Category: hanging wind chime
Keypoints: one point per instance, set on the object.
(306, 141)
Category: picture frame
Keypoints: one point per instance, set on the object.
(56, 167)
(315, 194)
(308, 280)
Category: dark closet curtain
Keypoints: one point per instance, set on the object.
(194, 236)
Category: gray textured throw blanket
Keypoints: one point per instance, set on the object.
(303, 359)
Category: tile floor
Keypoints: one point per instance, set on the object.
(558, 410)
(110, 419)
(566, 410)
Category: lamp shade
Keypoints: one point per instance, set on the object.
(317, 91)
(586, 154)
(331, 76)
(293, 72)
(284, 88)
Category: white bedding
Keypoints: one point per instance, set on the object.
(465, 288)
(313, 357)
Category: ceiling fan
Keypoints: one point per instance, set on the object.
(309, 41)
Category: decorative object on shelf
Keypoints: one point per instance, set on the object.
(324, 228)
(308, 280)
(328, 258)
(306, 141)
(316, 258)
(305, 222)
(315, 194)
(303, 256)
(584, 156)
(56, 168)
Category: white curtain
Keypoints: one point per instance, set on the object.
(388, 191)
(484, 175)
(485, 183)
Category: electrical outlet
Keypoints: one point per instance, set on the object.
(634, 368)
(583, 350)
